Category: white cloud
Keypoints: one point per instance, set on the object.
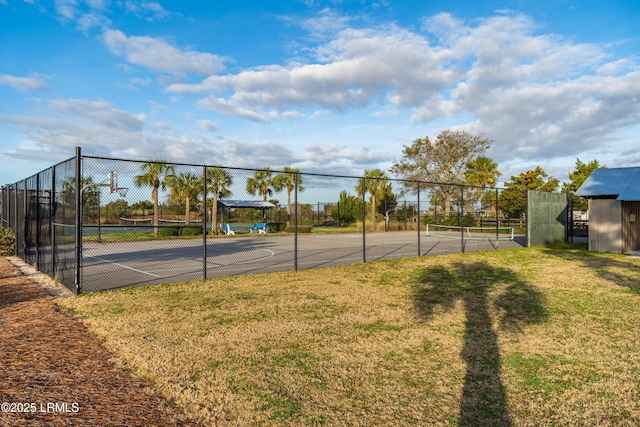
(355, 69)
(160, 56)
(67, 9)
(150, 11)
(537, 95)
(23, 83)
(87, 21)
(207, 125)
(231, 108)
(68, 123)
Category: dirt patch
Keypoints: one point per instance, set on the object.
(56, 373)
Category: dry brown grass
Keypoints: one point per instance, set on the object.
(525, 337)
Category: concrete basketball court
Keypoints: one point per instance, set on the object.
(118, 265)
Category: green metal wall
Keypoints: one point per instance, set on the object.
(546, 218)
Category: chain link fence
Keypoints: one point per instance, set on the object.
(96, 223)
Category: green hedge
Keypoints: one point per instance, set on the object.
(169, 231)
(191, 231)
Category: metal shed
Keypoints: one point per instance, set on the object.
(614, 204)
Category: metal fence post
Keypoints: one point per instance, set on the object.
(364, 223)
(15, 218)
(204, 223)
(38, 220)
(78, 222)
(52, 220)
(25, 218)
(419, 221)
(295, 221)
(462, 218)
(497, 225)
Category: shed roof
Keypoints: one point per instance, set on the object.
(619, 183)
(255, 204)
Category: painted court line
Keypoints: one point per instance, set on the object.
(124, 266)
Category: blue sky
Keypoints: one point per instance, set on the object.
(324, 86)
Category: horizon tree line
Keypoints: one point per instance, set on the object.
(442, 166)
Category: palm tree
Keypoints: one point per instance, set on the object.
(261, 183)
(218, 182)
(288, 179)
(482, 172)
(154, 176)
(375, 182)
(185, 187)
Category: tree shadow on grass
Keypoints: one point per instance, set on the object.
(482, 288)
(609, 268)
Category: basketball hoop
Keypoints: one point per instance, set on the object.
(122, 191)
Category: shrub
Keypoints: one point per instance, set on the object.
(7, 242)
(191, 231)
(169, 231)
(276, 227)
(468, 221)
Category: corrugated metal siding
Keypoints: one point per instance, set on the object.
(605, 225)
(630, 230)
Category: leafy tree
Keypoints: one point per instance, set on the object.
(142, 205)
(184, 187)
(513, 200)
(114, 210)
(349, 208)
(218, 183)
(388, 200)
(443, 161)
(155, 175)
(578, 177)
(289, 178)
(89, 195)
(261, 183)
(376, 183)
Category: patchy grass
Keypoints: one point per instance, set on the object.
(523, 337)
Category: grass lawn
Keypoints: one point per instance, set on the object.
(547, 336)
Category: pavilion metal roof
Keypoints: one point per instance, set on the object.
(615, 183)
(254, 204)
